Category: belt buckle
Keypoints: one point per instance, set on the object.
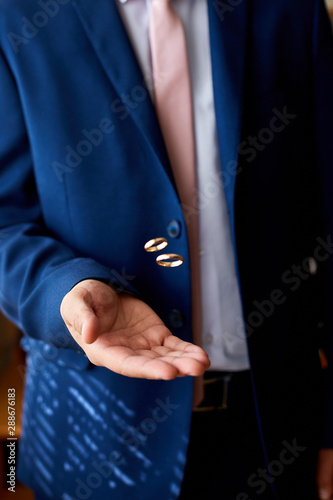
(225, 393)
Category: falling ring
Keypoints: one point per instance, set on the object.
(169, 260)
(156, 244)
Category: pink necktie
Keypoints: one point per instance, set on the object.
(174, 110)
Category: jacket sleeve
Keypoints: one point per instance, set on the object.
(323, 97)
(36, 270)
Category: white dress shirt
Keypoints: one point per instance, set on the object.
(223, 333)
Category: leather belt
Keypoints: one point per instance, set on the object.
(218, 387)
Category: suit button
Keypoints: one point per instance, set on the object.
(173, 229)
(176, 318)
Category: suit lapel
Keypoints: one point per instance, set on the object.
(104, 27)
(227, 39)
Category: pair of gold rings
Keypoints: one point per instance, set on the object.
(166, 259)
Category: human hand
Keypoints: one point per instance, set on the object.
(125, 335)
(325, 474)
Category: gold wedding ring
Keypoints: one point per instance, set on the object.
(169, 260)
(156, 244)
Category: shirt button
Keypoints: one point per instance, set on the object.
(209, 338)
(176, 318)
(174, 229)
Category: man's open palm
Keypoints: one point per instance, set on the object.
(124, 334)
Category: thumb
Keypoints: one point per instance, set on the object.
(79, 315)
(91, 327)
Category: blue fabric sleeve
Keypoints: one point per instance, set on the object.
(36, 270)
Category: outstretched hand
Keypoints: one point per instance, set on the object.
(123, 334)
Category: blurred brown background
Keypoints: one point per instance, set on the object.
(11, 376)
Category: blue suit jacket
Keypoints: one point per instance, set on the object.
(85, 181)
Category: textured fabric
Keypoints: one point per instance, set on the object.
(82, 439)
